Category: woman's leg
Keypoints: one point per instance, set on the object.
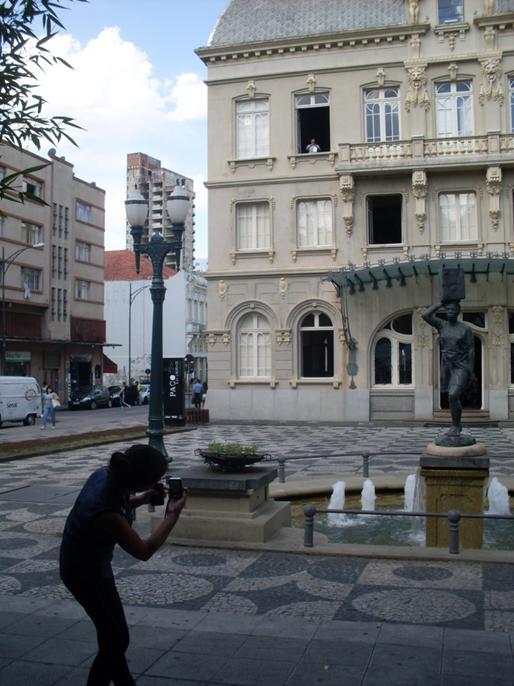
(52, 416)
(100, 599)
(44, 417)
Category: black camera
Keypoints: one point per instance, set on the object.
(175, 490)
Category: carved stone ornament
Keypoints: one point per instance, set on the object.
(419, 191)
(283, 286)
(417, 96)
(283, 336)
(413, 7)
(211, 339)
(493, 184)
(311, 83)
(452, 71)
(222, 289)
(250, 89)
(497, 335)
(490, 38)
(347, 187)
(226, 338)
(381, 75)
(491, 87)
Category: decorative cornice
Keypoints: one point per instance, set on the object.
(349, 39)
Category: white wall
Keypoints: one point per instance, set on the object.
(117, 322)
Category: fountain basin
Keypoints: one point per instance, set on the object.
(389, 531)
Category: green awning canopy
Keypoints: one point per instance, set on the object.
(359, 278)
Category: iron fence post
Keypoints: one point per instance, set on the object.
(453, 526)
(309, 512)
(365, 465)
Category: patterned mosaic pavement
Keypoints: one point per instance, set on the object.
(35, 496)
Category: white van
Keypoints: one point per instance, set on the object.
(20, 399)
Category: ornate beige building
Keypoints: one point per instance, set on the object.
(52, 301)
(354, 149)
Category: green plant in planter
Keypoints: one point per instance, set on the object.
(232, 449)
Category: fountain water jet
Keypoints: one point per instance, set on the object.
(368, 496)
(336, 502)
(498, 497)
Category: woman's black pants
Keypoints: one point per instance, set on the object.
(99, 597)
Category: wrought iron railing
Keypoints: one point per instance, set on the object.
(453, 516)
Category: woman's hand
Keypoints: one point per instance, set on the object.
(175, 507)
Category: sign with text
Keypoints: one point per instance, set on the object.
(173, 391)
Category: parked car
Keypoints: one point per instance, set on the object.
(20, 399)
(115, 393)
(144, 394)
(90, 397)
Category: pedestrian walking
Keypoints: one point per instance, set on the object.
(101, 518)
(205, 388)
(50, 403)
(123, 396)
(197, 394)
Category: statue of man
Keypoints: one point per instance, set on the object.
(457, 356)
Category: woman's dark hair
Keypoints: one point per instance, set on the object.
(138, 467)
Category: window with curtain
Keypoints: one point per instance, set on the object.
(253, 226)
(82, 251)
(30, 280)
(83, 212)
(458, 217)
(252, 128)
(31, 233)
(82, 289)
(454, 109)
(392, 353)
(382, 114)
(254, 346)
(314, 223)
(316, 346)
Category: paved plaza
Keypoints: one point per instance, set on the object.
(254, 617)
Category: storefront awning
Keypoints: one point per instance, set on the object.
(358, 278)
(109, 366)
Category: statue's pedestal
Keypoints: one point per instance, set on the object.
(229, 507)
(455, 479)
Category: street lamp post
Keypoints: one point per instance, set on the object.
(5, 263)
(132, 297)
(157, 249)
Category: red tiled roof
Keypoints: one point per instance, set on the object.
(120, 266)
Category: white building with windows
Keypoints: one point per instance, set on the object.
(320, 264)
(129, 315)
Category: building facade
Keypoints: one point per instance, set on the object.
(52, 321)
(155, 183)
(354, 150)
(129, 313)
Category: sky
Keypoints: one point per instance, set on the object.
(136, 86)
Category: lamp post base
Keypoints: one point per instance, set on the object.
(156, 441)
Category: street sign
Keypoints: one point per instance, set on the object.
(173, 391)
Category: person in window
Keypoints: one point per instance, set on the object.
(313, 146)
(101, 518)
(457, 356)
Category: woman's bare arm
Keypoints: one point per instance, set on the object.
(142, 549)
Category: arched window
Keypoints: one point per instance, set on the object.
(254, 346)
(392, 353)
(316, 345)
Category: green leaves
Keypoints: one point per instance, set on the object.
(22, 53)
